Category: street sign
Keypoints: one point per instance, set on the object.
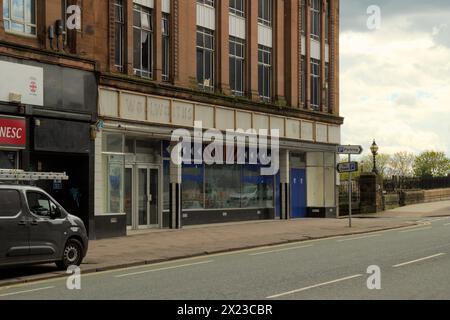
(347, 167)
(349, 149)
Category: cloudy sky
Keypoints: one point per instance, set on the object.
(395, 81)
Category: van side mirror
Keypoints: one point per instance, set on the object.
(57, 213)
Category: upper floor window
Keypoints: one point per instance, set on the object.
(237, 7)
(237, 63)
(265, 72)
(20, 16)
(207, 2)
(205, 58)
(303, 16)
(315, 19)
(165, 46)
(119, 31)
(315, 84)
(142, 41)
(327, 20)
(265, 12)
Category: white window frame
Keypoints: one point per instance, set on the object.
(27, 17)
(240, 59)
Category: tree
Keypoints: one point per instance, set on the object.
(431, 163)
(383, 164)
(401, 164)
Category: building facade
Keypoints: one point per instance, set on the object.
(48, 102)
(163, 65)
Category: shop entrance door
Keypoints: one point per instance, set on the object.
(298, 193)
(147, 197)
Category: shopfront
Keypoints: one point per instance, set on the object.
(135, 175)
(13, 138)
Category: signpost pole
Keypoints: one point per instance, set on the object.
(349, 195)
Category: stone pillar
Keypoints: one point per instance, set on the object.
(371, 193)
(285, 191)
(157, 50)
(252, 50)
(292, 52)
(223, 47)
(278, 50)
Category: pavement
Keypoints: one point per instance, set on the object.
(147, 248)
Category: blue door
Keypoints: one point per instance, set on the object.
(298, 193)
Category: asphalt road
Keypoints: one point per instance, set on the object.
(414, 264)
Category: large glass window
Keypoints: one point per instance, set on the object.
(265, 72)
(143, 41)
(223, 186)
(10, 200)
(237, 7)
(257, 191)
(237, 65)
(315, 19)
(205, 58)
(315, 84)
(119, 31)
(20, 16)
(265, 12)
(165, 47)
(192, 190)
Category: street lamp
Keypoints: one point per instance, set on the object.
(374, 149)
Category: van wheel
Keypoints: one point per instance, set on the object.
(72, 255)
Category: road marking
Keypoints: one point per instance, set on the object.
(279, 250)
(418, 260)
(417, 229)
(25, 291)
(447, 224)
(358, 238)
(314, 286)
(162, 269)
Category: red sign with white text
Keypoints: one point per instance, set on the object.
(13, 132)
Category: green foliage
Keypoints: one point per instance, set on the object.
(431, 164)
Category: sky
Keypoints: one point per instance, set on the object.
(395, 80)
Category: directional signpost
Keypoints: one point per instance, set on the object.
(349, 167)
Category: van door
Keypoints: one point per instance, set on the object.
(46, 230)
(14, 228)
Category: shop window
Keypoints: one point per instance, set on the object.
(223, 186)
(192, 190)
(257, 191)
(113, 143)
(114, 193)
(8, 160)
(166, 185)
(20, 16)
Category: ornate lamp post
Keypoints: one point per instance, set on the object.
(374, 149)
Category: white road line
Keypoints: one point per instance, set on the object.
(279, 250)
(358, 238)
(418, 229)
(162, 269)
(314, 286)
(418, 260)
(25, 291)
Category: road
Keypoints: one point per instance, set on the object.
(414, 264)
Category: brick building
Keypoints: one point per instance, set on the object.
(161, 65)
